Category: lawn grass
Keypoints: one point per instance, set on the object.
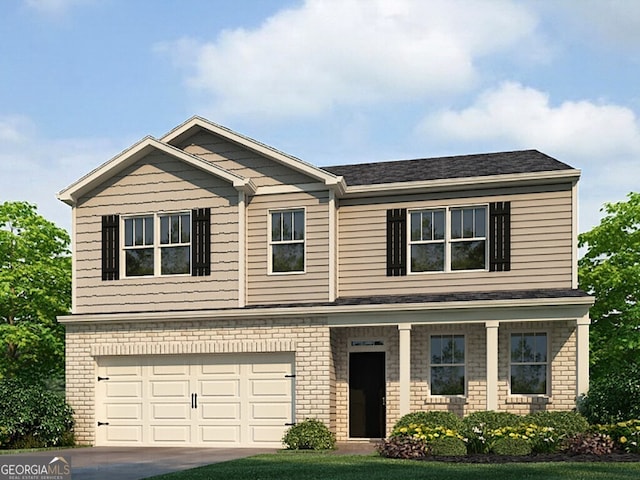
(324, 466)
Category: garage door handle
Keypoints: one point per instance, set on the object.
(194, 400)
(102, 423)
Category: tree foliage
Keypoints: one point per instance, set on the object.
(35, 287)
(610, 270)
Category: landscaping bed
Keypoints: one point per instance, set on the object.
(542, 457)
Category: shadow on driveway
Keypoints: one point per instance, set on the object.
(132, 463)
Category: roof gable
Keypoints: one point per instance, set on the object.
(138, 151)
(193, 125)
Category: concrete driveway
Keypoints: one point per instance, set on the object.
(132, 463)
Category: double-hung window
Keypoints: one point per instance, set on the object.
(529, 365)
(447, 370)
(157, 245)
(448, 239)
(287, 241)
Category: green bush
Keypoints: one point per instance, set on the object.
(477, 428)
(310, 434)
(33, 416)
(625, 435)
(447, 447)
(406, 447)
(563, 423)
(511, 445)
(614, 397)
(447, 420)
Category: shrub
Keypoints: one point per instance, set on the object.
(447, 447)
(511, 445)
(402, 447)
(430, 419)
(478, 428)
(563, 423)
(589, 444)
(310, 434)
(614, 397)
(33, 416)
(625, 435)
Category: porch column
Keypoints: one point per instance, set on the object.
(492, 364)
(582, 355)
(405, 368)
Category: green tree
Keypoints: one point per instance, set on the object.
(35, 287)
(610, 270)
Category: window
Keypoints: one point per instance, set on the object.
(427, 241)
(143, 255)
(447, 365)
(529, 363)
(175, 243)
(287, 241)
(448, 239)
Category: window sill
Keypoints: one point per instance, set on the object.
(445, 401)
(528, 400)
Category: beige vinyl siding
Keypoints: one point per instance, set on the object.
(310, 286)
(541, 245)
(243, 162)
(155, 184)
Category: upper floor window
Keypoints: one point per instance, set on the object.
(529, 364)
(448, 239)
(157, 245)
(447, 370)
(287, 241)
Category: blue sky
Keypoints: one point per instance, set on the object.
(329, 81)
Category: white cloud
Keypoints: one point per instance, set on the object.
(54, 7)
(601, 139)
(305, 60)
(34, 168)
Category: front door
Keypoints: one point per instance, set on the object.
(367, 415)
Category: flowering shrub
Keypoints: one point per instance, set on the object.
(626, 435)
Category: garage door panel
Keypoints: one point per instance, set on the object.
(220, 388)
(170, 389)
(270, 411)
(220, 434)
(260, 388)
(223, 368)
(171, 434)
(219, 411)
(267, 434)
(270, 368)
(124, 411)
(175, 370)
(170, 411)
(124, 433)
(129, 389)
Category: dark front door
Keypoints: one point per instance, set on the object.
(367, 415)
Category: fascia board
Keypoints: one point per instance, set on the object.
(139, 150)
(180, 132)
(472, 311)
(464, 183)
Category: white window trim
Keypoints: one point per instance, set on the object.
(465, 365)
(448, 240)
(270, 243)
(157, 247)
(548, 365)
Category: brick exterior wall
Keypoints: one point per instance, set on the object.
(321, 362)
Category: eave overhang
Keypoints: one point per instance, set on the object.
(144, 147)
(464, 183)
(191, 126)
(521, 310)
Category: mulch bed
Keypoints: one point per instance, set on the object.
(549, 457)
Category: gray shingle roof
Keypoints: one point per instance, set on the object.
(486, 164)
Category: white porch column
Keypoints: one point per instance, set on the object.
(405, 368)
(492, 364)
(582, 355)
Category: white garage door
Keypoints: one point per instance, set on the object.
(240, 400)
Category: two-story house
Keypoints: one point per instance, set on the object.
(223, 290)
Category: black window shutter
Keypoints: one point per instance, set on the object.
(500, 237)
(396, 242)
(110, 247)
(201, 242)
